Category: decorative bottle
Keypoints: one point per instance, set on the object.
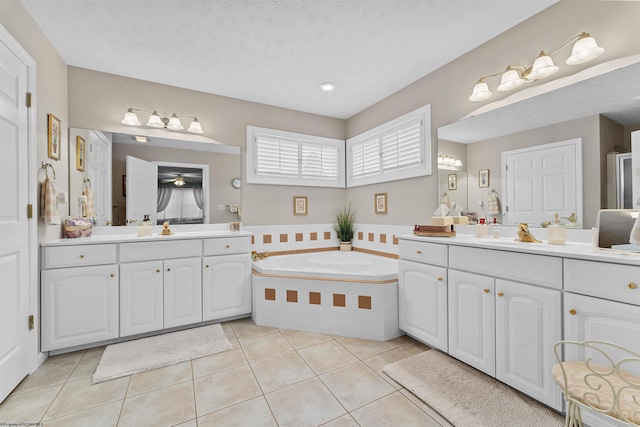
(145, 228)
(556, 232)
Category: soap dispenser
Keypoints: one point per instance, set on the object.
(556, 233)
(144, 229)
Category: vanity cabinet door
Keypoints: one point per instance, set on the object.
(141, 296)
(422, 302)
(472, 320)
(182, 291)
(226, 286)
(528, 324)
(79, 306)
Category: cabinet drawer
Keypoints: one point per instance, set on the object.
(78, 255)
(536, 269)
(142, 251)
(428, 253)
(227, 245)
(611, 281)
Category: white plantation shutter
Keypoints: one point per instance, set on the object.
(395, 150)
(319, 161)
(366, 158)
(286, 158)
(401, 147)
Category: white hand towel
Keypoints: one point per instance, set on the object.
(493, 204)
(49, 202)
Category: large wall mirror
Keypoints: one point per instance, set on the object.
(599, 106)
(207, 171)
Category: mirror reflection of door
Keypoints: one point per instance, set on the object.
(166, 191)
(182, 198)
(142, 189)
(541, 181)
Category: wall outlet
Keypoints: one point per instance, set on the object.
(222, 207)
(233, 208)
(62, 197)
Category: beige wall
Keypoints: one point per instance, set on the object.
(99, 101)
(615, 25)
(50, 97)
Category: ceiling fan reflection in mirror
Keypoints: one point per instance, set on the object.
(179, 177)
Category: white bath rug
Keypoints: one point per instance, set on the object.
(132, 357)
(467, 397)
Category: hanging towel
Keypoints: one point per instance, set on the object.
(90, 207)
(49, 202)
(493, 203)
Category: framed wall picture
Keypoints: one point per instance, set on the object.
(53, 137)
(80, 153)
(299, 205)
(380, 201)
(453, 181)
(483, 178)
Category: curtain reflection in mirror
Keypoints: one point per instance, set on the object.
(180, 205)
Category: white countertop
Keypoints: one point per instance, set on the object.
(573, 250)
(130, 234)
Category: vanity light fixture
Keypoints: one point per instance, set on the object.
(449, 160)
(141, 139)
(157, 121)
(585, 49)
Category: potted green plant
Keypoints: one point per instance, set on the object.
(345, 227)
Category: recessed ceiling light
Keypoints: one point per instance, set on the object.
(142, 139)
(327, 86)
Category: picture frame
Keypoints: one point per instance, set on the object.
(483, 178)
(453, 181)
(80, 153)
(380, 203)
(54, 137)
(300, 204)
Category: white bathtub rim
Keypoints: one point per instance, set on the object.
(305, 271)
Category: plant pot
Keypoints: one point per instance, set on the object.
(345, 246)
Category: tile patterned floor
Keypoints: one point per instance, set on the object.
(271, 377)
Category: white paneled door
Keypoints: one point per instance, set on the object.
(142, 190)
(541, 181)
(14, 224)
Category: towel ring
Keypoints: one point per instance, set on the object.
(46, 167)
(87, 183)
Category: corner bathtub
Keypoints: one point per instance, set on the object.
(340, 293)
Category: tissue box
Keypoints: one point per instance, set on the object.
(460, 219)
(441, 220)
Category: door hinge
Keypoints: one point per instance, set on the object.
(29, 211)
(31, 322)
(28, 99)
(506, 167)
(507, 208)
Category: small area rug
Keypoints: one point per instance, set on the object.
(466, 396)
(144, 354)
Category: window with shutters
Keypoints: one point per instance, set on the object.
(286, 158)
(398, 149)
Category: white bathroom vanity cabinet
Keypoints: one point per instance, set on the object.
(104, 289)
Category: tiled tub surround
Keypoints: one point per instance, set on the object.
(290, 239)
(342, 293)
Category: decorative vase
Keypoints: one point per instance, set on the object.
(345, 246)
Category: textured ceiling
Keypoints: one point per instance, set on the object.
(276, 52)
